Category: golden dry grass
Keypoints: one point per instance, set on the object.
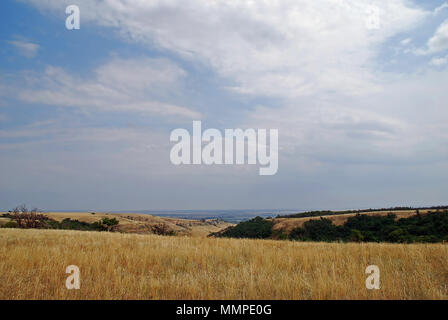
(129, 266)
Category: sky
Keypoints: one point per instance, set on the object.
(86, 115)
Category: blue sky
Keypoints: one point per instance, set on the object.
(85, 115)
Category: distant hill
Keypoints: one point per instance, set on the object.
(407, 226)
(319, 213)
(142, 223)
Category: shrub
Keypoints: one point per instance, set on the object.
(10, 224)
(162, 229)
(28, 219)
(257, 227)
(357, 235)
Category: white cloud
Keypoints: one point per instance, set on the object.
(283, 48)
(438, 42)
(136, 85)
(406, 41)
(25, 48)
(440, 8)
(317, 56)
(401, 125)
(439, 61)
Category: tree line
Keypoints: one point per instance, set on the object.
(318, 213)
(428, 228)
(23, 218)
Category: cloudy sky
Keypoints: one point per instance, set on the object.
(86, 115)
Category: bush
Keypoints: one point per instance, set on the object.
(357, 235)
(69, 224)
(28, 219)
(10, 224)
(257, 228)
(321, 229)
(109, 222)
(162, 229)
(298, 234)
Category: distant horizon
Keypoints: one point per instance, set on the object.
(266, 210)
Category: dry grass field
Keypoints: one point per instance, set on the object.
(131, 266)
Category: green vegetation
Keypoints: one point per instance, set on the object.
(431, 227)
(69, 224)
(10, 224)
(256, 228)
(22, 218)
(319, 230)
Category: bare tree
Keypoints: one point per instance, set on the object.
(28, 219)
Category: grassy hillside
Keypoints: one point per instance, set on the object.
(290, 223)
(402, 226)
(143, 223)
(130, 266)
